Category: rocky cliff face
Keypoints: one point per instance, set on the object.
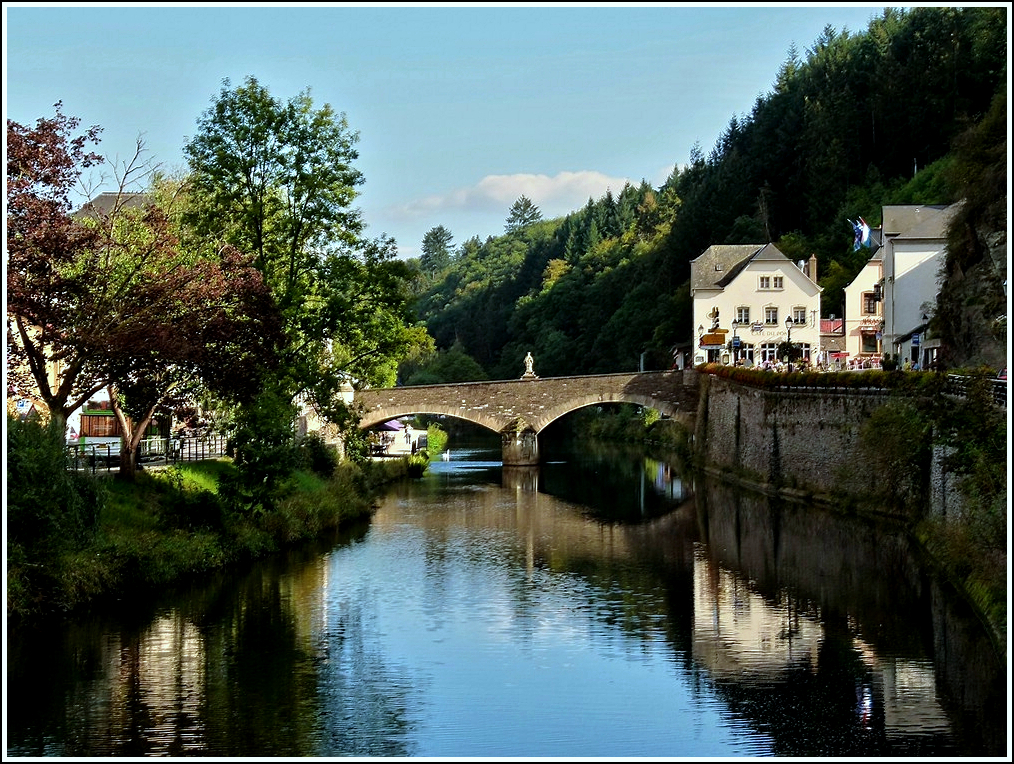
(971, 311)
(972, 305)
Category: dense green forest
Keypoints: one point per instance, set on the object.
(910, 111)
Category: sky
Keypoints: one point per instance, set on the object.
(460, 109)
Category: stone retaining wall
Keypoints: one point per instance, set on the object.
(807, 440)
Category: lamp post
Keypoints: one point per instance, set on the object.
(788, 330)
(735, 342)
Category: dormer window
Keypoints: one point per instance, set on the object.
(765, 282)
(718, 266)
(778, 282)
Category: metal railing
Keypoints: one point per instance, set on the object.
(957, 384)
(103, 457)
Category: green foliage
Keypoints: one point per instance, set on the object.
(975, 431)
(182, 505)
(436, 439)
(276, 180)
(318, 456)
(48, 507)
(522, 214)
(168, 527)
(442, 367)
(436, 250)
(265, 453)
(896, 442)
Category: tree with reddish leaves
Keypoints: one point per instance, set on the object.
(221, 333)
(109, 297)
(44, 163)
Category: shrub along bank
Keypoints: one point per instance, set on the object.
(73, 538)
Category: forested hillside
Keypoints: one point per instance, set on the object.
(910, 111)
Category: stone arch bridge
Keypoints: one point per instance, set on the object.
(520, 409)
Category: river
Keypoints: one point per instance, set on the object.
(601, 605)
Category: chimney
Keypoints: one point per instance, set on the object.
(811, 268)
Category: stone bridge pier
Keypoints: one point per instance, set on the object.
(518, 410)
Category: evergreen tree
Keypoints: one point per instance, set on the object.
(436, 250)
(522, 214)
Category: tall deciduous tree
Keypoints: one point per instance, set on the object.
(278, 177)
(107, 297)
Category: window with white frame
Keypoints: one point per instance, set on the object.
(770, 316)
(743, 315)
(778, 282)
(799, 316)
(765, 282)
(768, 352)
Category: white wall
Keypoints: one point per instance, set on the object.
(915, 268)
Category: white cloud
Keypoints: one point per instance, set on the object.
(557, 195)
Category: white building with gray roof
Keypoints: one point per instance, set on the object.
(748, 299)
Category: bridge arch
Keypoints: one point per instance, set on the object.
(663, 407)
(379, 416)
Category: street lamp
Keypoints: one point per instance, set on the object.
(735, 342)
(788, 330)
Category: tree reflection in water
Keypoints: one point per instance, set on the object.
(593, 607)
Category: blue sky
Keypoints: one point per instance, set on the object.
(460, 109)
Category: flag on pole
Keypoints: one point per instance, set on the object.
(862, 233)
(865, 237)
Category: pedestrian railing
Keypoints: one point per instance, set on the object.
(957, 384)
(102, 457)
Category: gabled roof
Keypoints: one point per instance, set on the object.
(832, 325)
(933, 226)
(719, 263)
(103, 203)
(904, 219)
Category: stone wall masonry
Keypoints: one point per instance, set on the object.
(799, 438)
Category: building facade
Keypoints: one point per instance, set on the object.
(749, 300)
(864, 315)
(914, 248)
(889, 304)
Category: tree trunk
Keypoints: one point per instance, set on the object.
(133, 433)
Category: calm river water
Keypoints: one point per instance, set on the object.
(599, 606)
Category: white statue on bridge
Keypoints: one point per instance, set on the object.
(529, 362)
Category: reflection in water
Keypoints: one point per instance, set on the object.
(496, 612)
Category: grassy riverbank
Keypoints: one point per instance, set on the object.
(170, 526)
